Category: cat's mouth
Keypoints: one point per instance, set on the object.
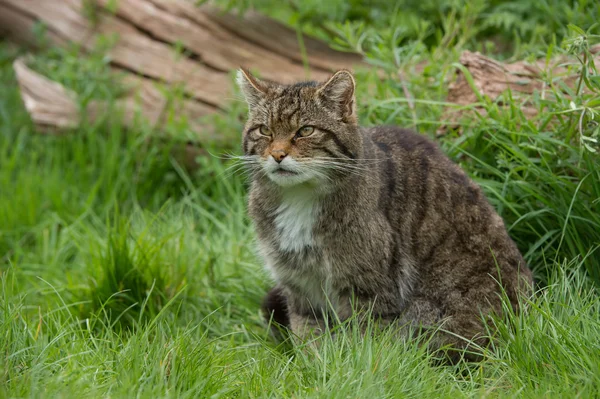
(288, 172)
(284, 172)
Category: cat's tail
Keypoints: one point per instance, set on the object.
(275, 309)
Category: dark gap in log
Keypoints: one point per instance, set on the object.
(143, 75)
(190, 53)
(258, 29)
(231, 49)
(32, 20)
(10, 33)
(19, 11)
(274, 51)
(196, 56)
(237, 35)
(184, 93)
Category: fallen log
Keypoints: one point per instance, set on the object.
(213, 43)
(171, 42)
(492, 79)
(54, 108)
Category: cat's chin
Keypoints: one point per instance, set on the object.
(284, 178)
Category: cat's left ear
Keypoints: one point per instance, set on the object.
(338, 92)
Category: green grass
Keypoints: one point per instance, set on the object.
(124, 275)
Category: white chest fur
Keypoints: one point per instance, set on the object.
(309, 271)
(295, 220)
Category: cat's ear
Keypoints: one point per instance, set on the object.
(253, 89)
(338, 92)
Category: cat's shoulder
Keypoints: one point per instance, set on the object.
(397, 139)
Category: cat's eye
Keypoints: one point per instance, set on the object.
(305, 131)
(265, 131)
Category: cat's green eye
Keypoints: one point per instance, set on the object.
(265, 131)
(306, 131)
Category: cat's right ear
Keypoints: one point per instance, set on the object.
(338, 92)
(253, 89)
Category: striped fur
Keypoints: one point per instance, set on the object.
(374, 218)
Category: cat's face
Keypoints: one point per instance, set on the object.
(306, 133)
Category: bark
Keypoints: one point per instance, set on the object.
(492, 79)
(212, 44)
(168, 41)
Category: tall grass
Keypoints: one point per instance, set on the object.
(123, 274)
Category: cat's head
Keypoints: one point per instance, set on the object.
(304, 133)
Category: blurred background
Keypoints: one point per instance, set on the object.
(123, 232)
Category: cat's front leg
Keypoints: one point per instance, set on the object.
(305, 321)
(305, 327)
(378, 310)
(306, 333)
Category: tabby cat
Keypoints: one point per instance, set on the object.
(375, 218)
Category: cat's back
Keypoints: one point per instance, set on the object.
(417, 174)
(432, 202)
(402, 144)
(440, 214)
(419, 170)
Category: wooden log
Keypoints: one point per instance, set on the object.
(279, 39)
(18, 27)
(216, 47)
(492, 78)
(53, 107)
(134, 50)
(50, 105)
(168, 41)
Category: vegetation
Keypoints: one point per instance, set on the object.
(125, 275)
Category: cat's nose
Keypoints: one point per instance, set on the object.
(278, 155)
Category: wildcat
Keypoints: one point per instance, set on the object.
(375, 218)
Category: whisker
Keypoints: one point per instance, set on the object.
(230, 156)
(339, 166)
(250, 164)
(355, 160)
(317, 167)
(231, 171)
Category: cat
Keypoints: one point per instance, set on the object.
(351, 218)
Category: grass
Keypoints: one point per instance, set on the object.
(124, 275)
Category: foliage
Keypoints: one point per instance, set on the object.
(125, 275)
(522, 27)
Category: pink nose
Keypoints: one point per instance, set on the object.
(278, 155)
